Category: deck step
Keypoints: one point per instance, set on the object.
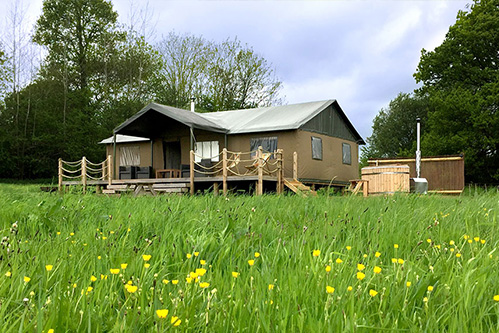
(299, 188)
(108, 191)
(167, 186)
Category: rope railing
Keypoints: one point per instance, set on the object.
(84, 170)
(239, 164)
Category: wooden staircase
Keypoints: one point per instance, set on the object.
(299, 188)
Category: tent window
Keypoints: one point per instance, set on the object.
(269, 144)
(316, 148)
(206, 150)
(347, 156)
(130, 156)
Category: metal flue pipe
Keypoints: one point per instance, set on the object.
(418, 149)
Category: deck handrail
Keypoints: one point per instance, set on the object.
(84, 170)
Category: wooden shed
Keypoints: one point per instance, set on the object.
(445, 174)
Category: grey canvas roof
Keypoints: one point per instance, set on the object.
(265, 119)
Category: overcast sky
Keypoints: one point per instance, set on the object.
(361, 53)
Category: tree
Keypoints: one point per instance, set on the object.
(394, 128)
(223, 76)
(461, 79)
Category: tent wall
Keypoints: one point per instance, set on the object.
(331, 164)
(330, 122)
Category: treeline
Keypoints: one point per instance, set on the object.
(94, 72)
(458, 100)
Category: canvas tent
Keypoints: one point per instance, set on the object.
(320, 132)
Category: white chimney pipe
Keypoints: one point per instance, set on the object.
(418, 149)
(193, 103)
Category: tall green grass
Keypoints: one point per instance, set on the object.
(284, 290)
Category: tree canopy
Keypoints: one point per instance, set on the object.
(460, 98)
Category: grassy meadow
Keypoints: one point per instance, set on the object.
(247, 264)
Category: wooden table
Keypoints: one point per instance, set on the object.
(168, 173)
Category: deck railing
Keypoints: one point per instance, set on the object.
(84, 171)
(240, 164)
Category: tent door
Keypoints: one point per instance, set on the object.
(171, 155)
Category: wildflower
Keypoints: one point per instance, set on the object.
(235, 274)
(146, 257)
(377, 254)
(360, 267)
(408, 284)
(428, 240)
(130, 289)
(114, 271)
(466, 236)
(103, 277)
(348, 248)
(349, 288)
(104, 237)
(8, 274)
(496, 298)
(452, 242)
(339, 261)
(470, 241)
(400, 261)
(329, 289)
(360, 275)
(93, 278)
(162, 313)
(58, 232)
(425, 299)
(175, 321)
(316, 253)
(482, 241)
(271, 286)
(204, 284)
(129, 282)
(430, 288)
(49, 267)
(394, 260)
(89, 289)
(328, 268)
(74, 285)
(188, 279)
(396, 246)
(377, 269)
(202, 262)
(165, 281)
(251, 262)
(458, 255)
(174, 281)
(200, 271)
(373, 292)
(188, 255)
(257, 254)
(364, 255)
(99, 257)
(476, 239)
(50, 330)
(193, 275)
(124, 266)
(27, 279)
(438, 246)
(146, 265)
(71, 234)
(196, 254)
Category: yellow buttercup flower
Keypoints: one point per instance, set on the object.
(451, 242)
(146, 265)
(257, 254)
(165, 281)
(373, 292)
(146, 257)
(49, 267)
(428, 240)
(8, 274)
(200, 271)
(377, 269)
(396, 246)
(162, 313)
(196, 254)
(251, 262)
(99, 257)
(348, 248)
(377, 254)
(235, 274)
(496, 298)
(394, 260)
(131, 289)
(271, 286)
(328, 268)
(174, 281)
(316, 253)
(349, 288)
(175, 321)
(193, 275)
(188, 255)
(360, 275)
(476, 239)
(360, 267)
(482, 241)
(400, 261)
(430, 288)
(188, 279)
(408, 284)
(103, 277)
(204, 284)
(27, 279)
(202, 262)
(458, 255)
(124, 266)
(339, 261)
(114, 271)
(93, 278)
(329, 289)
(50, 330)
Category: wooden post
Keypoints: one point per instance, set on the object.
(259, 186)
(224, 171)
(60, 175)
(365, 188)
(84, 174)
(192, 171)
(279, 171)
(109, 170)
(295, 165)
(216, 189)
